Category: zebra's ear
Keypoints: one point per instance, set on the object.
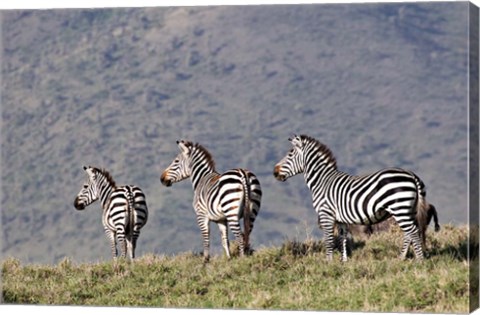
(296, 141)
(183, 147)
(292, 137)
(89, 171)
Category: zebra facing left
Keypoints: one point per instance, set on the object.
(220, 198)
(342, 199)
(125, 209)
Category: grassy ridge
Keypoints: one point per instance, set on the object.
(292, 276)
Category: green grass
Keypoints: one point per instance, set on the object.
(294, 276)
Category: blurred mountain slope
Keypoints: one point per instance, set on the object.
(380, 84)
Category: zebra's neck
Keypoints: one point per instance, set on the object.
(199, 170)
(104, 189)
(317, 174)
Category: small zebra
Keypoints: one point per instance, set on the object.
(339, 198)
(424, 217)
(221, 198)
(124, 209)
(423, 220)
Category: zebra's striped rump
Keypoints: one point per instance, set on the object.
(125, 209)
(340, 198)
(221, 198)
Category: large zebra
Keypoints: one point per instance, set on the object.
(124, 209)
(221, 198)
(339, 198)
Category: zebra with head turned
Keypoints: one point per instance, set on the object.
(221, 198)
(339, 198)
(124, 209)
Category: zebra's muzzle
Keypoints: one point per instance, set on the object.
(165, 181)
(277, 175)
(78, 205)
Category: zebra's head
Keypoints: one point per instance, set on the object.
(89, 192)
(292, 163)
(308, 156)
(180, 168)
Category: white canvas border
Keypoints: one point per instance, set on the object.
(54, 4)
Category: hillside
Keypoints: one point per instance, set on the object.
(380, 84)
(293, 276)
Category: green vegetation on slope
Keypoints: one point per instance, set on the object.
(292, 276)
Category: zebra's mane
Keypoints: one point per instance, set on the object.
(322, 148)
(105, 174)
(199, 148)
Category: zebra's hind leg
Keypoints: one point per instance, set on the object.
(234, 224)
(130, 248)
(135, 236)
(417, 244)
(406, 244)
(411, 236)
(248, 249)
(132, 241)
(222, 226)
(122, 242)
(113, 244)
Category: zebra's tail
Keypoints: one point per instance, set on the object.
(130, 211)
(422, 209)
(247, 204)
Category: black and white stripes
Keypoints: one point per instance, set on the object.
(124, 209)
(339, 198)
(221, 198)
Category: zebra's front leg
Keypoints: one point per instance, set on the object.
(113, 245)
(343, 238)
(204, 225)
(327, 225)
(222, 225)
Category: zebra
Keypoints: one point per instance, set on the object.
(221, 198)
(423, 220)
(342, 199)
(125, 209)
